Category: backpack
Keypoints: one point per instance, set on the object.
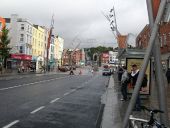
(145, 81)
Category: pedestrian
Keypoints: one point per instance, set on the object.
(124, 83)
(80, 72)
(71, 71)
(120, 72)
(168, 76)
(134, 77)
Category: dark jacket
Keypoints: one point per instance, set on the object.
(168, 73)
(134, 78)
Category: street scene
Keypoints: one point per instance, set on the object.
(85, 64)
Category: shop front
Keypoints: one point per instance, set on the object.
(19, 61)
(38, 63)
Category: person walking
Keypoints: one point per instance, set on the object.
(134, 77)
(168, 76)
(124, 83)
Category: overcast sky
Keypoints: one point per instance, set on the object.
(81, 20)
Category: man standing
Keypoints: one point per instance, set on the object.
(124, 83)
(120, 72)
(134, 76)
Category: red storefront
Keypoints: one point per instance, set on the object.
(19, 60)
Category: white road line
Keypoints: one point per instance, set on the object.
(2, 89)
(54, 100)
(73, 90)
(38, 109)
(11, 124)
(65, 94)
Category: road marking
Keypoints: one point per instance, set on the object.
(38, 109)
(65, 94)
(54, 100)
(73, 90)
(2, 89)
(11, 124)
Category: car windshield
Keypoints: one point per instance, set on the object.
(106, 70)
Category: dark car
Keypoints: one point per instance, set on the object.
(106, 72)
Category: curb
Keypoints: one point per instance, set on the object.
(111, 115)
(13, 76)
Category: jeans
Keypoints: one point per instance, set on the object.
(138, 103)
(124, 91)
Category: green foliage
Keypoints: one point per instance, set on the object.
(4, 45)
(99, 50)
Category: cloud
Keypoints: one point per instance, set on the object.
(81, 18)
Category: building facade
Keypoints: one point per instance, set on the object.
(21, 37)
(2, 23)
(113, 58)
(164, 40)
(38, 47)
(60, 50)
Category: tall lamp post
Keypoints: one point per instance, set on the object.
(49, 41)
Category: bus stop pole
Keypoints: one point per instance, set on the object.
(145, 63)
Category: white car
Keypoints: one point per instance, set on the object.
(106, 72)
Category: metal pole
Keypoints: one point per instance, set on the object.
(159, 74)
(145, 63)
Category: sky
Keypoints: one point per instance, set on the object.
(81, 21)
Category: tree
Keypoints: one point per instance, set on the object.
(4, 46)
(99, 50)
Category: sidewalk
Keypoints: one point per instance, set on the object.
(115, 109)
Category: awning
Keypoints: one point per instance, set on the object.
(21, 57)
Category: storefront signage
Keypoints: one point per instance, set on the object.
(21, 56)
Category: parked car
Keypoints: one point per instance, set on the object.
(106, 72)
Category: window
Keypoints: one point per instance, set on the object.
(27, 38)
(31, 30)
(165, 39)
(22, 27)
(160, 39)
(28, 28)
(21, 49)
(22, 37)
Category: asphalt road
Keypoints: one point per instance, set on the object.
(51, 101)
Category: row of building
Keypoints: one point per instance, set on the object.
(29, 42)
(142, 40)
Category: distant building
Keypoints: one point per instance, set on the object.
(142, 41)
(113, 57)
(78, 57)
(104, 58)
(2, 23)
(59, 43)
